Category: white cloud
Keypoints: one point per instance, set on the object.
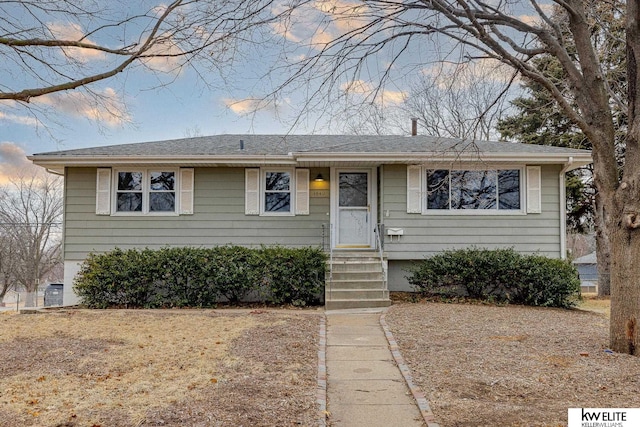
(321, 21)
(167, 64)
(286, 31)
(73, 32)
(530, 19)
(321, 38)
(367, 90)
(254, 105)
(13, 162)
(357, 86)
(533, 18)
(22, 120)
(242, 106)
(392, 97)
(346, 15)
(106, 106)
(448, 75)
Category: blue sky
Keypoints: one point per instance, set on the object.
(152, 105)
(151, 110)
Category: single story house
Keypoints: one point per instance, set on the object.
(376, 203)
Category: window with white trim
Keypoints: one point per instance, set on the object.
(276, 191)
(146, 191)
(457, 189)
(138, 191)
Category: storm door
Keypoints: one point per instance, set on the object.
(353, 211)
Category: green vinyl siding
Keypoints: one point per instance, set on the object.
(429, 234)
(218, 218)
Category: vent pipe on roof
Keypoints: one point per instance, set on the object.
(242, 144)
(414, 126)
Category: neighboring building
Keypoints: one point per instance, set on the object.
(427, 194)
(587, 267)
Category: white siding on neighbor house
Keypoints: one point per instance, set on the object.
(218, 218)
(425, 235)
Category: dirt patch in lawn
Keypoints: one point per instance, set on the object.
(148, 368)
(512, 366)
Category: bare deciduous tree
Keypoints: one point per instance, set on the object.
(7, 261)
(31, 224)
(460, 102)
(513, 33)
(464, 101)
(53, 47)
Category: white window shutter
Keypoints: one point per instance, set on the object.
(302, 191)
(103, 191)
(534, 189)
(186, 191)
(252, 191)
(414, 189)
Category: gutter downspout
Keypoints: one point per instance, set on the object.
(563, 208)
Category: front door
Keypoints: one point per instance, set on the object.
(353, 209)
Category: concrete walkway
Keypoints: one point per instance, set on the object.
(365, 386)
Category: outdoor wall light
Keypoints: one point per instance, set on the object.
(319, 178)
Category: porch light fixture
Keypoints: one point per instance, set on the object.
(319, 178)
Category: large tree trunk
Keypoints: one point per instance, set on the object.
(603, 249)
(624, 220)
(625, 286)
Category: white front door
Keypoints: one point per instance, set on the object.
(352, 208)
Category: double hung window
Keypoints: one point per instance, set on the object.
(145, 191)
(277, 192)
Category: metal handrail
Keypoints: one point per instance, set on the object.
(379, 232)
(330, 259)
(327, 235)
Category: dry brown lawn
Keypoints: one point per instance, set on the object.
(485, 365)
(151, 368)
(591, 302)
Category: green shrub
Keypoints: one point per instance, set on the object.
(500, 275)
(235, 271)
(294, 276)
(182, 278)
(123, 279)
(199, 277)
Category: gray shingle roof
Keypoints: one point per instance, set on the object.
(229, 145)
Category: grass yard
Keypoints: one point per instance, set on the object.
(591, 302)
(482, 365)
(148, 368)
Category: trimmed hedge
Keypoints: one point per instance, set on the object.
(500, 275)
(200, 277)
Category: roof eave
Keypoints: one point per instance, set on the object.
(575, 160)
(60, 162)
(57, 162)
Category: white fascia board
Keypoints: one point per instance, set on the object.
(60, 162)
(56, 162)
(579, 159)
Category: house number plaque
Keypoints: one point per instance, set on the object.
(319, 193)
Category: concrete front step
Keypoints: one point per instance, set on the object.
(355, 284)
(357, 281)
(356, 275)
(342, 304)
(373, 266)
(356, 294)
(357, 254)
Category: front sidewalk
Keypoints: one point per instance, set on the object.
(365, 385)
